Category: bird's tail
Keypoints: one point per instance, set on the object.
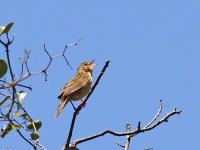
(63, 102)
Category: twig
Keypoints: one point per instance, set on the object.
(128, 137)
(24, 86)
(122, 146)
(6, 45)
(46, 68)
(3, 94)
(82, 104)
(42, 147)
(63, 54)
(8, 57)
(18, 131)
(10, 85)
(24, 62)
(156, 116)
(34, 147)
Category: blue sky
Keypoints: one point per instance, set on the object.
(153, 47)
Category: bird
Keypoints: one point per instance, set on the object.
(78, 87)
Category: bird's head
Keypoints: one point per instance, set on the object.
(86, 66)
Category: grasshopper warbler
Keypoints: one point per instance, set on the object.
(78, 87)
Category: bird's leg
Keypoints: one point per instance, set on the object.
(82, 104)
(77, 112)
(73, 105)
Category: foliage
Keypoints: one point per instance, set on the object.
(12, 113)
(3, 68)
(6, 29)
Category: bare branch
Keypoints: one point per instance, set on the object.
(24, 86)
(128, 137)
(10, 85)
(122, 146)
(2, 43)
(156, 116)
(24, 62)
(6, 45)
(46, 68)
(131, 133)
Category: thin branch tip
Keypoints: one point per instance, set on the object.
(108, 61)
(139, 126)
(120, 145)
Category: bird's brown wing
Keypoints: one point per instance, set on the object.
(72, 86)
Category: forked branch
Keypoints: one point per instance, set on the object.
(151, 125)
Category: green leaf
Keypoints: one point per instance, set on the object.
(24, 115)
(3, 68)
(6, 29)
(4, 100)
(34, 136)
(17, 114)
(20, 96)
(6, 130)
(35, 125)
(1, 29)
(7, 115)
(15, 126)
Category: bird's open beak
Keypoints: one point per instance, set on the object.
(92, 65)
(93, 61)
